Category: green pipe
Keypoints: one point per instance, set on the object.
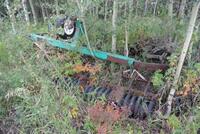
(83, 50)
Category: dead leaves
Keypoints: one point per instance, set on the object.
(189, 86)
(74, 112)
(86, 68)
(104, 116)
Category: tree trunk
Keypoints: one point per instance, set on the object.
(136, 8)
(93, 9)
(114, 19)
(183, 55)
(170, 14)
(105, 8)
(46, 9)
(126, 31)
(127, 21)
(170, 8)
(43, 12)
(155, 7)
(57, 7)
(145, 7)
(26, 14)
(33, 12)
(182, 9)
(97, 11)
(11, 15)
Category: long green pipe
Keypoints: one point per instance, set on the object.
(83, 50)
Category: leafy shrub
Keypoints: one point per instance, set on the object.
(3, 54)
(158, 79)
(174, 122)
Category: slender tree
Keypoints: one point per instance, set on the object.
(105, 10)
(170, 8)
(155, 7)
(43, 11)
(57, 7)
(25, 9)
(33, 12)
(46, 8)
(126, 31)
(11, 15)
(183, 55)
(114, 19)
(136, 7)
(170, 14)
(182, 9)
(145, 7)
(127, 21)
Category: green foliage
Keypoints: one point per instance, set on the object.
(3, 109)
(197, 67)
(174, 122)
(67, 68)
(192, 125)
(46, 110)
(141, 28)
(180, 31)
(145, 27)
(117, 129)
(89, 125)
(69, 101)
(191, 74)
(158, 79)
(99, 33)
(3, 54)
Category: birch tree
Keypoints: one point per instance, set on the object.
(105, 10)
(170, 8)
(25, 9)
(46, 8)
(155, 7)
(170, 14)
(33, 12)
(11, 15)
(184, 51)
(57, 7)
(182, 9)
(136, 7)
(145, 7)
(126, 31)
(127, 21)
(43, 11)
(114, 19)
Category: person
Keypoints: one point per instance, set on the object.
(69, 26)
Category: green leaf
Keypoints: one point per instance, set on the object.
(69, 101)
(157, 79)
(174, 122)
(197, 66)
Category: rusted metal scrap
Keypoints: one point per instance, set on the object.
(139, 106)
